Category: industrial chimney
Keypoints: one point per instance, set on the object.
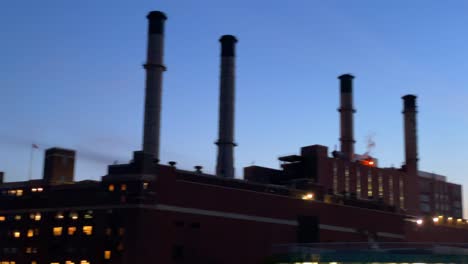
(411, 152)
(346, 115)
(225, 160)
(154, 70)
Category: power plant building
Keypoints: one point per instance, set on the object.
(148, 212)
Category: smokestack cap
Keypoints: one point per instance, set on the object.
(346, 83)
(410, 102)
(156, 22)
(346, 76)
(228, 45)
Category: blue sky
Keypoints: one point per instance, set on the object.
(71, 76)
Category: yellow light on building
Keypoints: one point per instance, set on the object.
(84, 262)
(74, 215)
(57, 231)
(71, 230)
(123, 187)
(308, 196)
(435, 219)
(17, 217)
(88, 230)
(16, 234)
(59, 215)
(19, 192)
(107, 254)
(2, 218)
(33, 262)
(30, 233)
(111, 187)
(33, 189)
(69, 262)
(459, 220)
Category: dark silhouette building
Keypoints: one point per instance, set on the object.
(59, 166)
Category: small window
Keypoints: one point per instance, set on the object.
(71, 230)
(107, 254)
(111, 187)
(2, 218)
(17, 217)
(16, 234)
(123, 187)
(179, 223)
(177, 252)
(30, 233)
(59, 215)
(74, 215)
(88, 230)
(145, 185)
(57, 231)
(35, 216)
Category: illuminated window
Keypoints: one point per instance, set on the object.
(123, 187)
(12, 192)
(33, 262)
(111, 187)
(55, 263)
(2, 218)
(30, 233)
(402, 194)
(390, 190)
(120, 247)
(71, 230)
(33, 189)
(107, 254)
(57, 231)
(335, 178)
(40, 189)
(88, 230)
(84, 262)
(88, 215)
(69, 262)
(74, 215)
(145, 185)
(17, 217)
(381, 190)
(346, 174)
(358, 183)
(35, 216)
(16, 234)
(19, 192)
(29, 250)
(369, 183)
(59, 215)
(108, 231)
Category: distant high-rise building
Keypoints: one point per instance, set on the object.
(59, 166)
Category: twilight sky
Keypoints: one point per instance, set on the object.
(71, 76)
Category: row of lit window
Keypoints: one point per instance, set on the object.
(57, 231)
(71, 230)
(20, 192)
(369, 185)
(123, 187)
(68, 262)
(60, 215)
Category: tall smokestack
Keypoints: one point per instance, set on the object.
(346, 115)
(225, 161)
(154, 70)
(411, 152)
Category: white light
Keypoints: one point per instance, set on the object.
(419, 222)
(308, 196)
(435, 219)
